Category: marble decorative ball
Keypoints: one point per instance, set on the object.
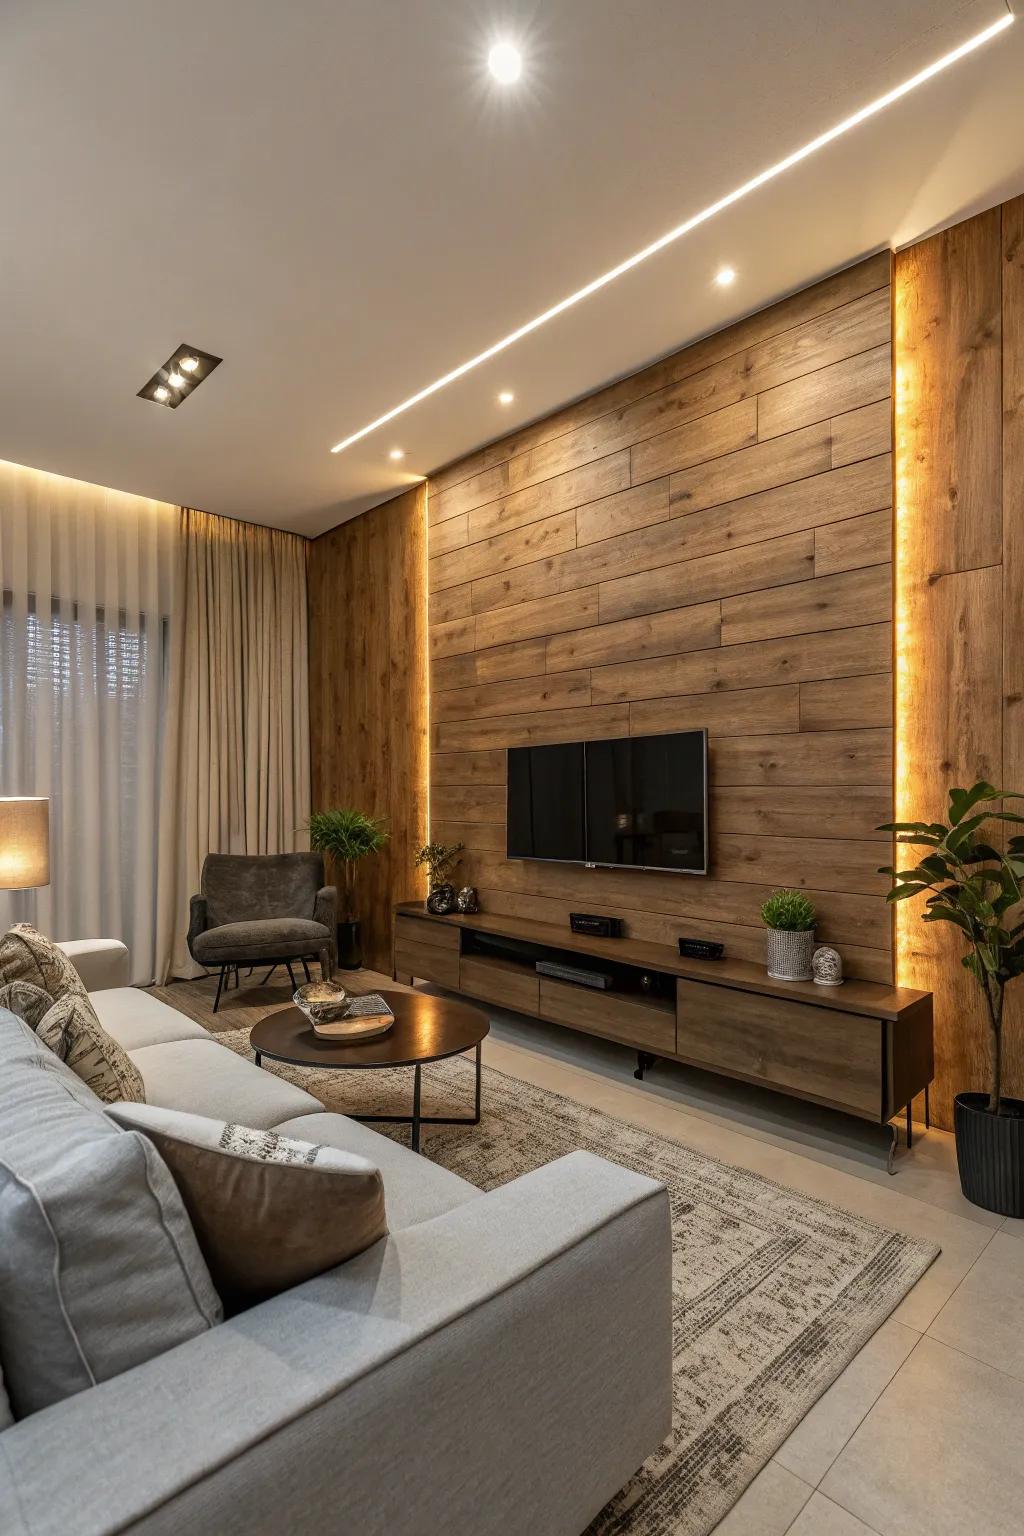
(827, 966)
(466, 901)
(441, 900)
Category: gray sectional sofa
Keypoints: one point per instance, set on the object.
(499, 1364)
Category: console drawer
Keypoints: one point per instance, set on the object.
(634, 1022)
(428, 961)
(420, 930)
(499, 981)
(815, 1053)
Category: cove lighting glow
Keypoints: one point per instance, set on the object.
(828, 137)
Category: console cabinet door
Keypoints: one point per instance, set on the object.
(832, 1058)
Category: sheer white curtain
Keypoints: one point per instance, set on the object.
(89, 578)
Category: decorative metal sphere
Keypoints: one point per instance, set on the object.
(827, 966)
(441, 900)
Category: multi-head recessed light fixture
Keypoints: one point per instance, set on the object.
(184, 371)
(762, 178)
(505, 63)
(725, 277)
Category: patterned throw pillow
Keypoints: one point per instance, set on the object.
(268, 1211)
(29, 1003)
(73, 1032)
(27, 955)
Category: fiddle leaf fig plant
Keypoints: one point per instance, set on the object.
(346, 836)
(975, 886)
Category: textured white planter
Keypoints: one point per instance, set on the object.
(789, 954)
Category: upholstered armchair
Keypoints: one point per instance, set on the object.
(270, 909)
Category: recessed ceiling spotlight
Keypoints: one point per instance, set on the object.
(184, 371)
(728, 200)
(506, 397)
(505, 63)
(397, 453)
(725, 276)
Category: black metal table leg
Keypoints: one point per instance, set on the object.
(479, 1074)
(259, 1059)
(415, 1142)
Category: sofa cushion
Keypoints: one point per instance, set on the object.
(136, 1018)
(272, 938)
(268, 1211)
(204, 1078)
(415, 1189)
(27, 955)
(73, 1032)
(99, 1267)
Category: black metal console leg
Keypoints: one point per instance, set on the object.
(644, 1061)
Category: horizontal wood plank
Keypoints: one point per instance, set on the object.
(804, 810)
(845, 386)
(696, 442)
(745, 712)
(852, 544)
(862, 434)
(771, 565)
(637, 507)
(824, 602)
(559, 690)
(561, 493)
(523, 658)
(808, 757)
(550, 536)
(468, 802)
(587, 724)
(486, 767)
(651, 634)
(847, 704)
(777, 462)
(454, 603)
(544, 616)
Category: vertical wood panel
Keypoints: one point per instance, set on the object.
(368, 694)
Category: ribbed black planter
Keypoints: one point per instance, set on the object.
(990, 1153)
(350, 947)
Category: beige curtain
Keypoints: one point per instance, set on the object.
(236, 735)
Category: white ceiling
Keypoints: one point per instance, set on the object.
(334, 196)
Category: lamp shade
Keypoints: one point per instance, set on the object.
(24, 843)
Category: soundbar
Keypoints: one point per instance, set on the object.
(599, 980)
(701, 949)
(597, 927)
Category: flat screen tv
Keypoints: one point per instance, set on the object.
(637, 802)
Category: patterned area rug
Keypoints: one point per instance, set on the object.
(774, 1293)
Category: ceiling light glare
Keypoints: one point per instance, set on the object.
(189, 364)
(506, 397)
(177, 379)
(725, 276)
(161, 392)
(872, 109)
(505, 63)
(397, 453)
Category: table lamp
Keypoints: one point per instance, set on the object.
(24, 842)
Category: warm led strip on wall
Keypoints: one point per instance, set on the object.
(872, 109)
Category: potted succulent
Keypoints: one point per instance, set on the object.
(976, 886)
(346, 836)
(440, 860)
(789, 918)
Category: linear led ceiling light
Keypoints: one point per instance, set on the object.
(871, 110)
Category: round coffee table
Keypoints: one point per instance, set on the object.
(426, 1028)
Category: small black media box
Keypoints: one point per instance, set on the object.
(597, 927)
(701, 949)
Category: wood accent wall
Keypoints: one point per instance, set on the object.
(959, 334)
(707, 543)
(368, 695)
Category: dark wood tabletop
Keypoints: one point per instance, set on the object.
(426, 1028)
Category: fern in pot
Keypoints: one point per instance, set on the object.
(977, 887)
(346, 837)
(789, 918)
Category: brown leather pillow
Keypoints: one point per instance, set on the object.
(268, 1211)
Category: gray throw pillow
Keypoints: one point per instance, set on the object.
(99, 1266)
(268, 1211)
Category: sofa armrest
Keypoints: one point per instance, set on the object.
(101, 963)
(196, 922)
(503, 1369)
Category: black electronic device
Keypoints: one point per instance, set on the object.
(701, 949)
(596, 926)
(599, 980)
(636, 802)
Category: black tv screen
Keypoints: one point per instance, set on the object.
(637, 802)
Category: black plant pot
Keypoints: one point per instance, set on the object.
(990, 1153)
(350, 949)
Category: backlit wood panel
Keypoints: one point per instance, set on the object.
(707, 543)
(959, 358)
(368, 695)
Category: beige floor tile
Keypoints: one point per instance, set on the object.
(820, 1517)
(985, 1315)
(939, 1453)
(768, 1506)
(819, 1437)
(1012, 1227)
